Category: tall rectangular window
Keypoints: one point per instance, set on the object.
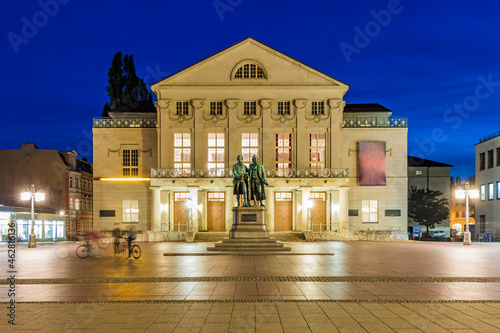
(216, 152)
(483, 192)
(70, 203)
(482, 223)
(491, 191)
(70, 182)
(216, 108)
(130, 211)
(369, 211)
(182, 107)
(77, 204)
(498, 156)
(182, 153)
(490, 159)
(130, 162)
(250, 107)
(283, 152)
(482, 161)
(249, 147)
(498, 190)
(283, 108)
(317, 149)
(318, 107)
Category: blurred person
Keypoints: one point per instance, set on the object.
(131, 237)
(117, 234)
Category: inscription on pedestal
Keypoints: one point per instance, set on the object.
(249, 217)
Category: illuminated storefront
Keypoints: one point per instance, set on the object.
(46, 226)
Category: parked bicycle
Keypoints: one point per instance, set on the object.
(123, 250)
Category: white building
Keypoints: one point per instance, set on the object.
(250, 99)
(488, 184)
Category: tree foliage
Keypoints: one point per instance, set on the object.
(427, 207)
(125, 87)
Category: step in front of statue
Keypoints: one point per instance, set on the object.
(249, 244)
(284, 236)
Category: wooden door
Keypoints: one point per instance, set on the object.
(318, 211)
(216, 211)
(283, 211)
(181, 212)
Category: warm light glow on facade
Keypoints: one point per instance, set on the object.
(127, 179)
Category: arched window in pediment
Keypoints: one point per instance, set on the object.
(249, 70)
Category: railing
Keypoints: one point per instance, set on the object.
(490, 136)
(124, 123)
(374, 122)
(228, 172)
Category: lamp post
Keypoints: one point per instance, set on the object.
(34, 196)
(466, 193)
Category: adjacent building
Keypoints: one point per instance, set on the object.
(430, 175)
(488, 183)
(67, 208)
(332, 167)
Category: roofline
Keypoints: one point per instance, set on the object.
(241, 41)
(443, 165)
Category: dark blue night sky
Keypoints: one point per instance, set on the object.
(436, 63)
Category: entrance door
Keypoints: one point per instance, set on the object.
(181, 213)
(216, 211)
(283, 211)
(318, 211)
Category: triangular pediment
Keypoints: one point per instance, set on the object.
(280, 69)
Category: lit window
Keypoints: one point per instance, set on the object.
(283, 108)
(483, 192)
(216, 196)
(498, 190)
(369, 211)
(130, 211)
(249, 147)
(283, 152)
(491, 191)
(249, 71)
(70, 203)
(318, 107)
(130, 162)
(250, 107)
(182, 153)
(317, 149)
(216, 152)
(182, 108)
(215, 108)
(77, 204)
(418, 172)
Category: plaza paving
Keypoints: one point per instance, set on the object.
(350, 287)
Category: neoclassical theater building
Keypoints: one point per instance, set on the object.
(332, 167)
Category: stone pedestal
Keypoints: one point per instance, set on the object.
(249, 222)
(249, 233)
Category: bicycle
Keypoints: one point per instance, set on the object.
(84, 250)
(135, 250)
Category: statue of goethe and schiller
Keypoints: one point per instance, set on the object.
(249, 182)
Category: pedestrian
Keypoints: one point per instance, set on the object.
(131, 237)
(117, 234)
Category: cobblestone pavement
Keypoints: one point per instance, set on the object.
(351, 287)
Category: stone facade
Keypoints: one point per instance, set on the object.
(249, 99)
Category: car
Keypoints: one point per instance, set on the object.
(438, 234)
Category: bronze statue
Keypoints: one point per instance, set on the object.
(240, 181)
(257, 176)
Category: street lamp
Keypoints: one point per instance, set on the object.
(466, 193)
(309, 206)
(34, 196)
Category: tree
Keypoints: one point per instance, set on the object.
(125, 87)
(427, 207)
